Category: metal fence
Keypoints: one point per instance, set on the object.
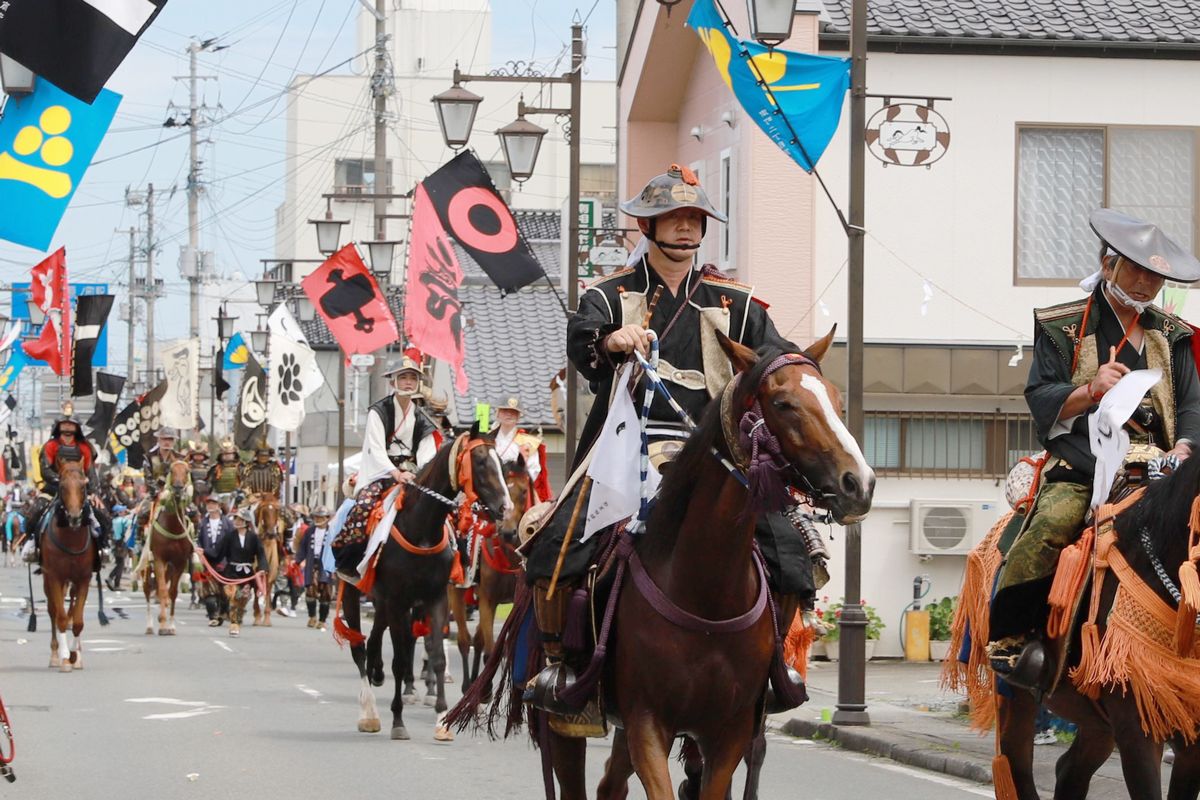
(937, 444)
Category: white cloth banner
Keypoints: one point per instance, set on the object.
(293, 373)
(616, 466)
(181, 364)
(1106, 432)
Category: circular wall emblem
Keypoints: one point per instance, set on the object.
(683, 193)
(1159, 264)
(907, 135)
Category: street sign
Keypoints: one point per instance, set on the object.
(608, 255)
(907, 135)
(363, 360)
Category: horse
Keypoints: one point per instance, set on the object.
(168, 548)
(68, 558)
(1118, 713)
(413, 568)
(499, 567)
(268, 521)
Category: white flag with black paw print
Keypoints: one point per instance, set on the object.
(282, 325)
(181, 404)
(290, 381)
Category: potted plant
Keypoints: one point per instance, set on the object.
(832, 616)
(941, 617)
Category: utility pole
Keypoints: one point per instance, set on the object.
(151, 286)
(572, 420)
(132, 306)
(382, 87)
(146, 288)
(195, 119)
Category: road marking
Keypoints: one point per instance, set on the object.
(942, 780)
(199, 712)
(313, 693)
(105, 641)
(195, 708)
(222, 645)
(106, 649)
(166, 701)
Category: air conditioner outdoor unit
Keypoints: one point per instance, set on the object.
(950, 527)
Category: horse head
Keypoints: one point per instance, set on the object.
(72, 493)
(179, 481)
(782, 422)
(267, 514)
(480, 474)
(520, 490)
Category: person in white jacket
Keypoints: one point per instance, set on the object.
(399, 441)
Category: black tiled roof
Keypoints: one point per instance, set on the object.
(1102, 22)
(515, 343)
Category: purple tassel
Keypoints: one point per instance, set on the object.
(768, 492)
(575, 631)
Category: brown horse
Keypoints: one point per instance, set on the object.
(499, 567)
(412, 569)
(1122, 713)
(268, 523)
(168, 549)
(68, 556)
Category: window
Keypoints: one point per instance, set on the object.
(946, 444)
(1063, 173)
(725, 204)
(357, 176)
(599, 181)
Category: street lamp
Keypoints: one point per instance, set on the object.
(224, 324)
(456, 109)
(265, 289)
(305, 311)
(521, 140)
(36, 315)
(327, 243)
(329, 231)
(381, 254)
(771, 20)
(258, 341)
(17, 79)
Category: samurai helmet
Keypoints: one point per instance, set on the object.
(676, 188)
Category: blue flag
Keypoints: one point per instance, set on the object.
(47, 141)
(17, 361)
(808, 90)
(236, 352)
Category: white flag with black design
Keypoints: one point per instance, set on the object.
(76, 44)
(293, 371)
(108, 391)
(91, 312)
(181, 363)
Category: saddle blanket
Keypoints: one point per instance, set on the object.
(383, 529)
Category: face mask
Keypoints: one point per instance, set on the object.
(1119, 293)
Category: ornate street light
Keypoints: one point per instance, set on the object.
(17, 79)
(36, 315)
(265, 289)
(224, 324)
(258, 341)
(456, 109)
(381, 254)
(305, 311)
(771, 20)
(521, 140)
(329, 232)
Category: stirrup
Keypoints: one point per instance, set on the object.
(543, 691)
(1027, 668)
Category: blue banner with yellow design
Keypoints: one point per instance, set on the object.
(17, 361)
(808, 90)
(47, 141)
(236, 352)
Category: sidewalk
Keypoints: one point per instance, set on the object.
(913, 722)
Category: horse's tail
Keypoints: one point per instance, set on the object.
(506, 700)
(973, 677)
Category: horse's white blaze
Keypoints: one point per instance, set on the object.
(508, 503)
(834, 421)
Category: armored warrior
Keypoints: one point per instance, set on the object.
(264, 476)
(225, 476)
(66, 444)
(1081, 350)
(159, 458)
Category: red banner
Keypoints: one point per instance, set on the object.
(51, 294)
(345, 294)
(432, 311)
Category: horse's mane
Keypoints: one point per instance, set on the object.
(679, 481)
(1164, 511)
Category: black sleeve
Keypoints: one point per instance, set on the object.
(1187, 393)
(760, 330)
(217, 552)
(1048, 386)
(585, 333)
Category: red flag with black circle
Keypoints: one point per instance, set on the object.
(474, 213)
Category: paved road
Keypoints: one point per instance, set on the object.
(272, 715)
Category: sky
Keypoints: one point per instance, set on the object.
(264, 44)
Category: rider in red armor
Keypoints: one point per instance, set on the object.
(66, 444)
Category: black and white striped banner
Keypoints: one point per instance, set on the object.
(91, 312)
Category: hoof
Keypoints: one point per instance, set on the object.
(430, 700)
(410, 698)
(400, 733)
(375, 675)
(368, 726)
(163, 632)
(149, 630)
(443, 734)
(55, 662)
(65, 666)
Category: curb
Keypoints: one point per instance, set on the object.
(904, 750)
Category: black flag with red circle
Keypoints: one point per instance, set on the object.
(474, 213)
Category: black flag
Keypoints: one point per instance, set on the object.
(137, 422)
(220, 385)
(91, 312)
(474, 213)
(108, 390)
(251, 419)
(75, 44)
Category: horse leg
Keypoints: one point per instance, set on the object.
(1074, 770)
(649, 750)
(272, 574)
(1015, 718)
(77, 604)
(721, 758)
(1185, 772)
(162, 580)
(458, 608)
(146, 589)
(617, 769)
(174, 597)
(375, 645)
(368, 720)
(53, 591)
(1141, 756)
(435, 647)
(756, 754)
(401, 643)
(569, 759)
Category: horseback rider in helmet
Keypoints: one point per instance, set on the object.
(225, 476)
(614, 319)
(159, 458)
(66, 444)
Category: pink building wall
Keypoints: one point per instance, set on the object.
(668, 88)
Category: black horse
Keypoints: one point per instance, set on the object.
(414, 569)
